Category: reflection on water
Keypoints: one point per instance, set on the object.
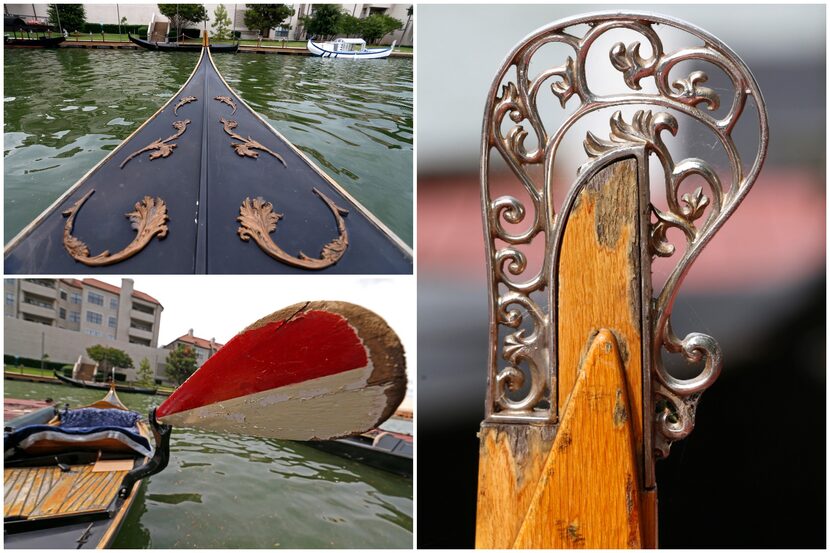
(66, 108)
(226, 491)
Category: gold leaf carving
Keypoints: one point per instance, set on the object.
(258, 220)
(148, 220)
(159, 147)
(248, 145)
(183, 101)
(227, 100)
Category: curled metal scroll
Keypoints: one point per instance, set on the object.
(246, 146)
(512, 122)
(183, 101)
(159, 147)
(148, 220)
(257, 220)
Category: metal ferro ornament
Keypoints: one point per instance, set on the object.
(523, 368)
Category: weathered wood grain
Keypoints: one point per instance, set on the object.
(584, 488)
(587, 496)
(37, 492)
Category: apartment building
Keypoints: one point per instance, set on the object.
(142, 14)
(89, 306)
(204, 348)
(59, 319)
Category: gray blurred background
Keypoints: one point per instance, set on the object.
(753, 472)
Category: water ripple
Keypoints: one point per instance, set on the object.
(353, 119)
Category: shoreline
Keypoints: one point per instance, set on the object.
(248, 49)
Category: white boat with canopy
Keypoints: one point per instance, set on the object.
(349, 48)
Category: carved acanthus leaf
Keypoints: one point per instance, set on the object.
(148, 220)
(257, 220)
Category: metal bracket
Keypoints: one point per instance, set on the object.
(522, 372)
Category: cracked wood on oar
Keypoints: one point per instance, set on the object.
(312, 371)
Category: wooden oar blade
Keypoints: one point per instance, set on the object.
(311, 371)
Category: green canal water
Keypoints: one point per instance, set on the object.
(65, 109)
(223, 491)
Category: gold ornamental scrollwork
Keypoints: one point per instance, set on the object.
(183, 101)
(148, 220)
(246, 146)
(159, 147)
(227, 100)
(258, 220)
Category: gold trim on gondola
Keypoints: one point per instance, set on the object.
(163, 148)
(246, 148)
(371, 217)
(258, 220)
(183, 101)
(149, 219)
(227, 100)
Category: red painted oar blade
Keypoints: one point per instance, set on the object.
(314, 370)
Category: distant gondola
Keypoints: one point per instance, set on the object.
(182, 47)
(102, 385)
(207, 186)
(39, 42)
(16, 24)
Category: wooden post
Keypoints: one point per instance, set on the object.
(579, 484)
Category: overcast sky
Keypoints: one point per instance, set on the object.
(220, 306)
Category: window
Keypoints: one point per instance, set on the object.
(113, 304)
(92, 332)
(74, 317)
(110, 336)
(75, 298)
(62, 313)
(96, 299)
(63, 295)
(9, 298)
(113, 322)
(94, 318)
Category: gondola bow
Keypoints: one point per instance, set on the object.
(191, 187)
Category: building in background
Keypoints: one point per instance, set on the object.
(143, 14)
(204, 348)
(89, 306)
(58, 319)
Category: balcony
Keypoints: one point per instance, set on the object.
(139, 333)
(142, 316)
(39, 288)
(37, 310)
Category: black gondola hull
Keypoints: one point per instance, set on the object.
(181, 47)
(204, 181)
(103, 386)
(43, 42)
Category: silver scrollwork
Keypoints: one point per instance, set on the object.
(513, 128)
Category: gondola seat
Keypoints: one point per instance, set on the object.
(106, 430)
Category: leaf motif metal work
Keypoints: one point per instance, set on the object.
(257, 220)
(513, 122)
(227, 100)
(148, 220)
(159, 147)
(247, 146)
(183, 101)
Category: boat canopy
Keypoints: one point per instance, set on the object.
(342, 44)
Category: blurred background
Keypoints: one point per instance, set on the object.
(753, 472)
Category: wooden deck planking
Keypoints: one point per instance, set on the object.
(38, 492)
